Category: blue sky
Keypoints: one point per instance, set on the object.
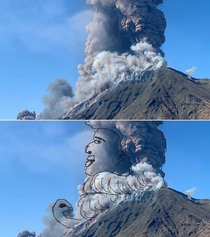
(45, 39)
(43, 161)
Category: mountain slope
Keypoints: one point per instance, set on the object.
(161, 94)
(164, 213)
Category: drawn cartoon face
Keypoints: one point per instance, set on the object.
(104, 153)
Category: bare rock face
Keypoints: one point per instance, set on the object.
(26, 115)
(26, 233)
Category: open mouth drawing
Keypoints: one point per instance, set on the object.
(90, 160)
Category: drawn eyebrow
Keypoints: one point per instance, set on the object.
(100, 138)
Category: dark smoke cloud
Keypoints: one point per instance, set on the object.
(60, 97)
(141, 141)
(26, 115)
(118, 25)
(26, 233)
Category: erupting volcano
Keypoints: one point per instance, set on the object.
(124, 41)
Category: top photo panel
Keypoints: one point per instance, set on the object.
(105, 60)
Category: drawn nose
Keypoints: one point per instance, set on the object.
(86, 149)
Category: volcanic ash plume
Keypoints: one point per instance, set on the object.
(26, 115)
(53, 228)
(26, 233)
(124, 160)
(124, 40)
(60, 97)
(141, 141)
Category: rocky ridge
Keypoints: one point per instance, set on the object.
(163, 94)
(165, 212)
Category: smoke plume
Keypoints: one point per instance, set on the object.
(190, 192)
(26, 115)
(53, 228)
(124, 160)
(60, 97)
(190, 72)
(141, 141)
(124, 40)
(26, 233)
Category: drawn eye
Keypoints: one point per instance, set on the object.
(62, 205)
(97, 141)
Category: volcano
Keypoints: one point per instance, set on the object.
(159, 94)
(161, 213)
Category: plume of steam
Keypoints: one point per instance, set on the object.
(108, 69)
(107, 189)
(190, 72)
(26, 115)
(190, 192)
(60, 97)
(124, 40)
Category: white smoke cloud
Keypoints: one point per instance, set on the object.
(109, 69)
(190, 72)
(190, 192)
(106, 190)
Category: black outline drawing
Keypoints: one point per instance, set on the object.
(68, 210)
(107, 191)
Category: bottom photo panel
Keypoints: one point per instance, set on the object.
(105, 178)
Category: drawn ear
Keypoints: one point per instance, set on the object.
(121, 156)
